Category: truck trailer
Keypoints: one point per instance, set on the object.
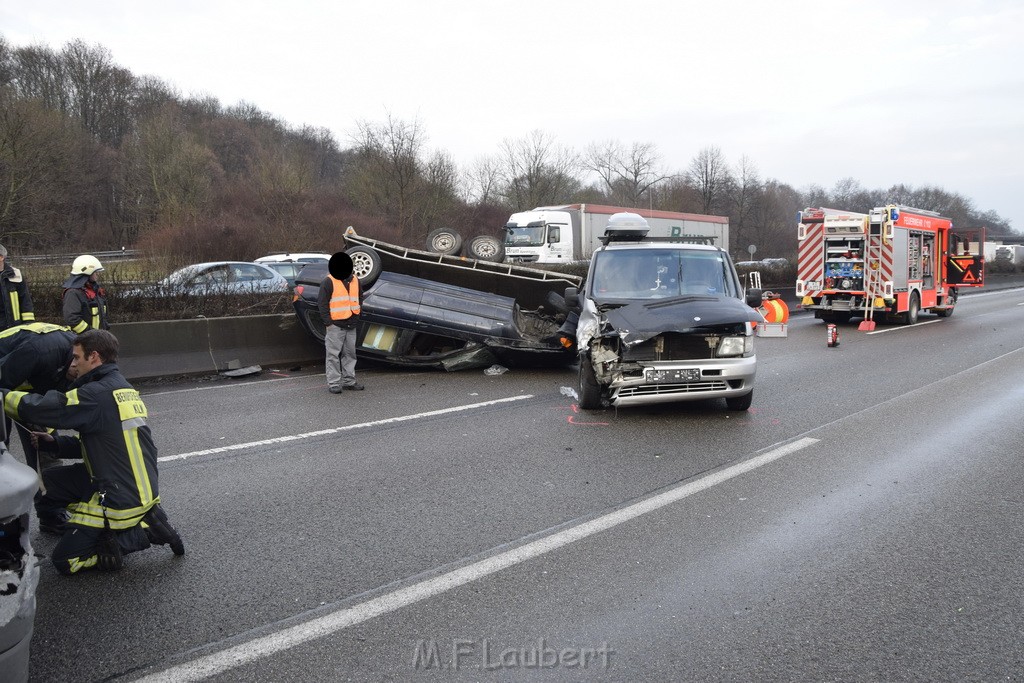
(891, 263)
(571, 232)
(1009, 253)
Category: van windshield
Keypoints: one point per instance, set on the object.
(660, 273)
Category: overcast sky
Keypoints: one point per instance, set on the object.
(883, 91)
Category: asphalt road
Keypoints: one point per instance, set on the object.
(862, 521)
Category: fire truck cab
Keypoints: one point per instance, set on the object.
(890, 263)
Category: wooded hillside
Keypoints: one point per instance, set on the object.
(94, 157)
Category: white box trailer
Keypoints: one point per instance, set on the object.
(571, 232)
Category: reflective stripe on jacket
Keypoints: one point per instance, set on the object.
(113, 440)
(344, 302)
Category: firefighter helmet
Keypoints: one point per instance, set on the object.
(86, 265)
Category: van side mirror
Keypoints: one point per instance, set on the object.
(754, 298)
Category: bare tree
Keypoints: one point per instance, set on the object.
(438, 199)
(772, 219)
(480, 182)
(537, 171)
(100, 92)
(167, 174)
(742, 191)
(40, 172)
(387, 169)
(628, 175)
(709, 172)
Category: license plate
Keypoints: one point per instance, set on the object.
(684, 375)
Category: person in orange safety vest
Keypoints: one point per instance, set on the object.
(339, 306)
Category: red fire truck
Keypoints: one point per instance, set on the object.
(891, 263)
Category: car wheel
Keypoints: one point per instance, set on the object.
(589, 389)
(366, 265)
(444, 241)
(486, 248)
(557, 303)
(740, 402)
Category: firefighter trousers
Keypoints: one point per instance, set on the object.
(77, 548)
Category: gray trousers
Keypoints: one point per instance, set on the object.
(341, 356)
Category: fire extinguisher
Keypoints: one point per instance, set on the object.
(833, 335)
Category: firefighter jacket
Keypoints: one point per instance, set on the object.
(339, 301)
(35, 357)
(15, 300)
(113, 439)
(85, 305)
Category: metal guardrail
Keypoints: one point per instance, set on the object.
(101, 255)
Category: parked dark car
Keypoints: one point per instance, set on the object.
(412, 321)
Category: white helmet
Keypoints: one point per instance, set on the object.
(86, 265)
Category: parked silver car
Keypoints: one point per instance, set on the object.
(217, 277)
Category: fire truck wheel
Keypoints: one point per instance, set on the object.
(910, 317)
(740, 402)
(590, 390)
(950, 301)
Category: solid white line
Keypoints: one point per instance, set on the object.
(906, 327)
(244, 653)
(345, 428)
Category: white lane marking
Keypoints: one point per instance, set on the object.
(264, 646)
(906, 327)
(345, 428)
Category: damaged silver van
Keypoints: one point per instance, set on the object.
(663, 319)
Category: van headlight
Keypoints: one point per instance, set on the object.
(730, 347)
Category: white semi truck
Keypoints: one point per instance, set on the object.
(571, 232)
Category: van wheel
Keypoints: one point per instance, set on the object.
(589, 389)
(444, 241)
(740, 402)
(366, 265)
(486, 248)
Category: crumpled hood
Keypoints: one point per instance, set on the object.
(637, 322)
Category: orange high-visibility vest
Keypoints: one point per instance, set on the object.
(344, 303)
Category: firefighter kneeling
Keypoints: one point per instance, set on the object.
(112, 496)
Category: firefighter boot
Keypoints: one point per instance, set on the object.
(161, 532)
(53, 521)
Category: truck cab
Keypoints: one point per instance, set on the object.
(539, 236)
(663, 319)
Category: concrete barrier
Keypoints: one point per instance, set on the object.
(210, 345)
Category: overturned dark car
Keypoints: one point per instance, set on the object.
(423, 309)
